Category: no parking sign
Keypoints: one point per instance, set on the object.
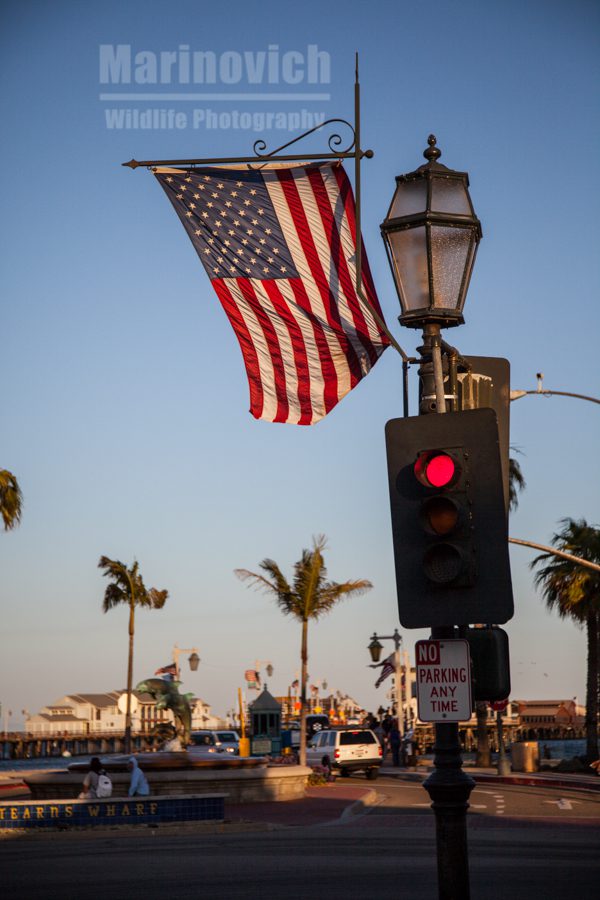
(443, 681)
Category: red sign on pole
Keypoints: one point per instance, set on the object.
(499, 705)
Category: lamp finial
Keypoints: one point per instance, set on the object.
(432, 153)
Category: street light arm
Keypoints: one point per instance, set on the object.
(516, 395)
(576, 559)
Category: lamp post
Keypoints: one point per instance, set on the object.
(400, 687)
(193, 659)
(431, 235)
(258, 663)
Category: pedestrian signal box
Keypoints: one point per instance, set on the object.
(449, 522)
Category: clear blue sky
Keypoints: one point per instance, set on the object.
(124, 402)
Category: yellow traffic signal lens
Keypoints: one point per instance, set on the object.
(441, 515)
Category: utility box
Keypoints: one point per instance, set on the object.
(265, 717)
(525, 756)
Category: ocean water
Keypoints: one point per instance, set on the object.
(562, 749)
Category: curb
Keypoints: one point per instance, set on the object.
(358, 808)
(524, 779)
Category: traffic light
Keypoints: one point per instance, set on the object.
(490, 664)
(449, 519)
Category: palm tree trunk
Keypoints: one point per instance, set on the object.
(304, 666)
(483, 757)
(591, 697)
(129, 678)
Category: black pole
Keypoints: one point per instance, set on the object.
(448, 785)
(449, 788)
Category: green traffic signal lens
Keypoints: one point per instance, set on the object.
(442, 563)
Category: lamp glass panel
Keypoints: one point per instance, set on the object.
(450, 195)
(410, 198)
(409, 251)
(449, 254)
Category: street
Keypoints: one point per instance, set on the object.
(523, 842)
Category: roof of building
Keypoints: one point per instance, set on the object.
(265, 701)
(99, 700)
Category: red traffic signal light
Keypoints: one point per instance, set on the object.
(437, 468)
(449, 519)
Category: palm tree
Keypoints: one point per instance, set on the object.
(309, 597)
(127, 586)
(574, 591)
(516, 482)
(11, 500)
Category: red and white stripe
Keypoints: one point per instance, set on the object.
(306, 341)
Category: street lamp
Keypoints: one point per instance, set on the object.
(431, 234)
(193, 659)
(400, 689)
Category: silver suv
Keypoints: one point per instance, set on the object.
(345, 751)
(216, 741)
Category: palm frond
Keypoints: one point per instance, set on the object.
(566, 586)
(158, 598)
(11, 500)
(113, 595)
(332, 593)
(279, 588)
(516, 482)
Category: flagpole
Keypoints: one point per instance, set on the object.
(358, 154)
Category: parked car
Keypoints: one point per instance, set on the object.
(346, 751)
(216, 741)
(229, 740)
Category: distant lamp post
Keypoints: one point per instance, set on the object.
(431, 234)
(400, 687)
(258, 664)
(193, 659)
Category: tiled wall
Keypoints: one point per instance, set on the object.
(133, 811)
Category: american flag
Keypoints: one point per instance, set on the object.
(279, 244)
(387, 669)
(171, 669)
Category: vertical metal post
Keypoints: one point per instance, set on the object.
(357, 152)
(503, 764)
(448, 785)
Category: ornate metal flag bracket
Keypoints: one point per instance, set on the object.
(352, 151)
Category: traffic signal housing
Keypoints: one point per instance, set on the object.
(490, 663)
(449, 521)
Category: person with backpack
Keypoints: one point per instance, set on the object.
(96, 783)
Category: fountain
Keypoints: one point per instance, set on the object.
(181, 769)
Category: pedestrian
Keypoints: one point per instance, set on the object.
(395, 741)
(138, 785)
(96, 783)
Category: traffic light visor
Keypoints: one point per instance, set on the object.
(436, 468)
